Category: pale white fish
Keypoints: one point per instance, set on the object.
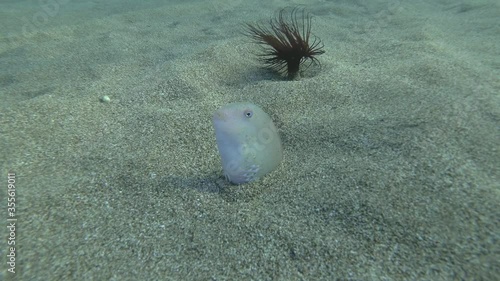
(248, 142)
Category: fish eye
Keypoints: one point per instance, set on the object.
(248, 113)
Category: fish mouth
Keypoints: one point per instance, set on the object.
(220, 116)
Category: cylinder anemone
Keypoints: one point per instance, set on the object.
(287, 42)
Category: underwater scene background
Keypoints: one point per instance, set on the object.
(391, 156)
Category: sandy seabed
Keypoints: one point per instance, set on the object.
(391, 146)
